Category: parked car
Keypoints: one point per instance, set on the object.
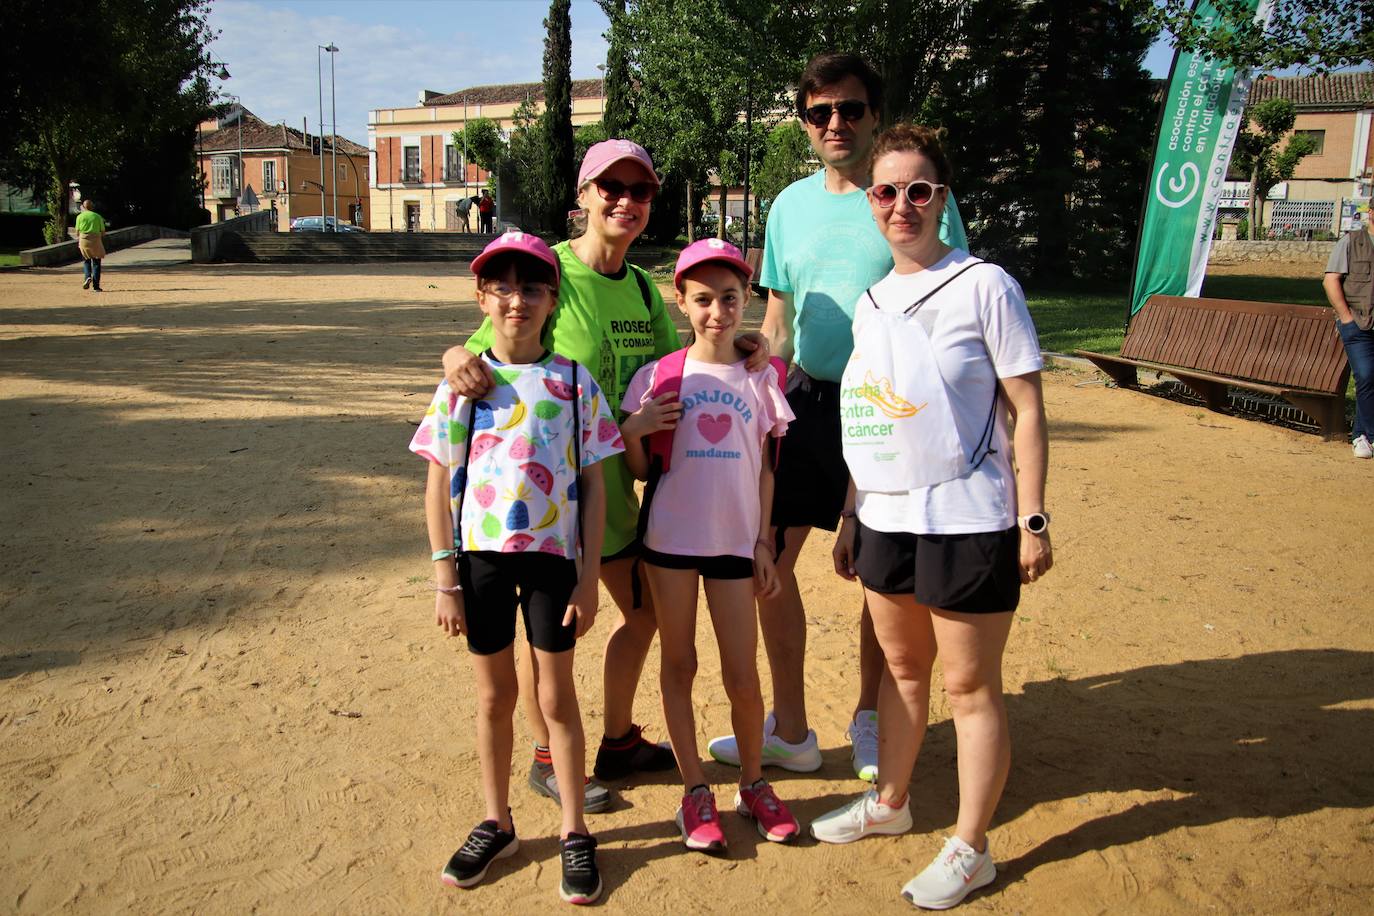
(317, 224)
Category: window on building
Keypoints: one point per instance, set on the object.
(412, 164)
(1317, 135)
(269, 174)
(453, 164)
(223, 178)
(343, 171)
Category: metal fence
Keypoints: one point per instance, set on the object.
(1300, 215)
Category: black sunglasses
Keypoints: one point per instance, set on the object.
(641, 192)
(919, 193)
(850, 111)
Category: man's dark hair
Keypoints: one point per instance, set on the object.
(833, 66)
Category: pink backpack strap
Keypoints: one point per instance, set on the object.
(780, 368)
(667, 380)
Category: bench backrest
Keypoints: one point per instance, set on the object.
(1289, 345)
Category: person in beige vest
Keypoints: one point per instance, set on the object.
(1349, 285)
(90, 239)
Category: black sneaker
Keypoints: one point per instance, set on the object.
(596, 797)
(618, 758)
(581, 880)
(87, 284)
(487, 843)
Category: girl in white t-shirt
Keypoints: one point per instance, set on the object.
(940, 526)
(707, 520)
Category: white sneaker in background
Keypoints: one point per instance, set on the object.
(863, 737)
(864, 816)
(1362, 448)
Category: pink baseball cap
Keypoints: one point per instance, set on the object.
(705, 250)
(513, 240)
(607, 153)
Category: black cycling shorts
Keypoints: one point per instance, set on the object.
(968, 573)
(495, 584)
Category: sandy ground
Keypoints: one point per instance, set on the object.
(221, 689)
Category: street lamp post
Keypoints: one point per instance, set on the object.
(602, 68)
(333, 134)
(222, 75)
(319, 82)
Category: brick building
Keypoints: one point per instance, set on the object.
(419, 175)
(240, 152)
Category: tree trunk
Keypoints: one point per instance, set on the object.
(720, 223)
(691, 215)
(1255, 203)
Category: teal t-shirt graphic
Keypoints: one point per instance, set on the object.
(826, 250)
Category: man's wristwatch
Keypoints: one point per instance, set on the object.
(1035, 523)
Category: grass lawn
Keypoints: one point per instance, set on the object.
(1096, 320)
(9, 257)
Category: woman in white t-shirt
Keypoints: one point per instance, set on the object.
(941, 527)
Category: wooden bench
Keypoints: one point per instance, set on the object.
(1289, 351)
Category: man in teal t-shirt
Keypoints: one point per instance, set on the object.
(822, 250)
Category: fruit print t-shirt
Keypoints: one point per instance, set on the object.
(521, 487)
(707, 505)
(602, 323)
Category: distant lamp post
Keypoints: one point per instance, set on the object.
(221, 74)
(602, 68)
(319, 78)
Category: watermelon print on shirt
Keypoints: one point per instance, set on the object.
(707, 505)
(521, 487)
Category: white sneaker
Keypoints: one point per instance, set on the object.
(956, 871)
(1362, 447)
(862, 817)
(804, 757)
(863, 738)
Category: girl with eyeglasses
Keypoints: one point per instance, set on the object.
(514, 507)
(940, 525)
(612, 319)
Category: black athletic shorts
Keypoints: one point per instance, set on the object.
(721, 567)
(632, 549)
(495, 584)
(811, 477)
(968, 573)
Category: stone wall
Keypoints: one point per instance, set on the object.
(68, 252)
(1231, 252)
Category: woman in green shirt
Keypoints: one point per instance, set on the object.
(610, 318)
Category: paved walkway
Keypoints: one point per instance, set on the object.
(154, 253)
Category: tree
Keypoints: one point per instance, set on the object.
(787, 157)
(557, 174)
(61, 125)
(619, 111)
(1052, 192)
(1256, 153)
(587, 136)
(481, 138)
(1311, 34)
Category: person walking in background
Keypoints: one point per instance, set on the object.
(486, 211)
(1349, 285)
(90, 239)
(464, 208)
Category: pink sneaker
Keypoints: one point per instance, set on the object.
(759, 803)
(699, 822)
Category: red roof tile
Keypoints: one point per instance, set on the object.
(259, 135)
(1333, 92)
(512, 93)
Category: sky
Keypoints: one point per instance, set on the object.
(389, 50)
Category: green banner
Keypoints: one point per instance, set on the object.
(1203, 112)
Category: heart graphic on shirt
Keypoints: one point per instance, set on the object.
(714, 428)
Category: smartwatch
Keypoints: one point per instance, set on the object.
(1035, 523)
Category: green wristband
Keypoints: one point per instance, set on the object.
(443, 554)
